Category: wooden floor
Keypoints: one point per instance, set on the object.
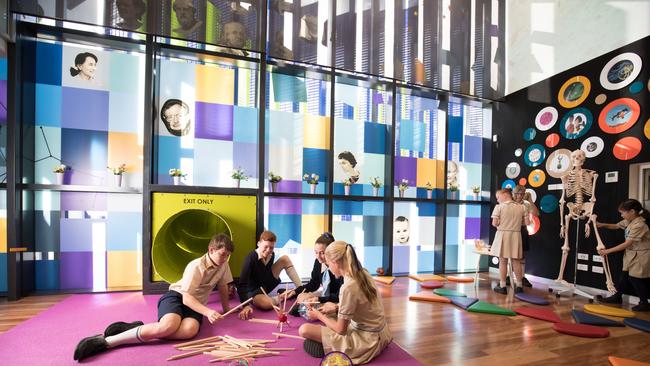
(443, 334)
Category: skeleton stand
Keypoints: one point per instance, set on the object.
(566, 287)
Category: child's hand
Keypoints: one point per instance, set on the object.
(603, 252)
(213, 316)
(286, 294)
(313, 314)
(245, 312)
(328, 308)
(599, 224)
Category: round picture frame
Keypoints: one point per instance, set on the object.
(620, 71)
(534, 155)
(592, 146)
(536, 178)
(574, 91)
(559, 163)
(619, 115)
(512, 170)
(546, 118)
(576, 123)
(627, 148)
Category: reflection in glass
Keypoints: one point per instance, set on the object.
(417, 228)
(465, 225)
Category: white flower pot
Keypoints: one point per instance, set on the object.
(274, 186)
(236, 183)
(476, 196)
(401, 193)
(176, 180)
(117, 179)
(312, 188)
(375, 191)
(454, 195)
(59, 178)
(429, 194)
(347, 190)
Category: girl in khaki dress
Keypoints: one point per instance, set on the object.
(507, 217)
(636, 260)
(360, 331)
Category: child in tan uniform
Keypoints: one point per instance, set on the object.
(180, 310)
(360, 331)
(636, 260)
(507, 217)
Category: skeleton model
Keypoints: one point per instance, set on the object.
(579, 184)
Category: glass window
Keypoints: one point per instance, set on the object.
(363, 116)
(465, 225)
(417, 238)
(205, 131)
(298, 129)
(298, 30)
(364, 36)
(469, 144)
(361, 224)
(419, 145)
(3, 172)
(297, 223)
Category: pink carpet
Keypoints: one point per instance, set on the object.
(50, 337)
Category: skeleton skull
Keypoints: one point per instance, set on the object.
(578, 158)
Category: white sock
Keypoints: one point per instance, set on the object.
(291, 271)
(502, 283)
(131, 336)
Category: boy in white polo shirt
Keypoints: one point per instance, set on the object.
(180, 310)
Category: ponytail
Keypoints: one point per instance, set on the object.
(344, 254)
(74, 71)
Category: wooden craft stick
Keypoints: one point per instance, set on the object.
(277, 309)
(198, 341)
(286, 291)
(287, 335)
(238, 306)
(265, 321)
(294, 303)
(188, 354)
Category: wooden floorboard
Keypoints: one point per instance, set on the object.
(443, 334)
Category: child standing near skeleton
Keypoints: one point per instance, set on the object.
(522, 197)
(636, 260)
(508, 217)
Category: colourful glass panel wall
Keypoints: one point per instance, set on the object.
(297, 223)
(298, 130)
(469, 141)
(92, 124)
(362, 120)
(465, 224)
(221, 133)
(361, 223)
(419, 145)
(417, 228)
(87, 241)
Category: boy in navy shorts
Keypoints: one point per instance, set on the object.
(180, 310)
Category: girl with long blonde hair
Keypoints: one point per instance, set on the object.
(360, 331)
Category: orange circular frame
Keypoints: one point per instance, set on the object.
(552, 140)
(627, 148)
(646, 129)
(585, 92)
(536, 178)
(629, 106)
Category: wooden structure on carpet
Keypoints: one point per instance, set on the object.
(226, 348)
(421, 277)
(386, 280)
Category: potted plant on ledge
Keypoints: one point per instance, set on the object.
(376, 184)
(429, 189)
(238, 175)
(176, 175)
(274, 180)
(347, 183)
(59, 171)
(117, 174)
(453, 189)
(476, 190)
(312, 180)
(402, 186)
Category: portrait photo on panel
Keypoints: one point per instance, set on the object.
(175, 115)
(85, 67)
(187, 16)
(348, 164)
(401, 230)
(131, 13)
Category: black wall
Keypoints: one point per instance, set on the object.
(512, 117)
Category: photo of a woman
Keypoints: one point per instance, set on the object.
(348, 163)
(85, 66)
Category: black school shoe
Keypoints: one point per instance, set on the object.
(313, 348)
(643, 306)
(519, 290)
(614, 299)
(501, 290)
(526, 283)
(90, 346)
(119, 327)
